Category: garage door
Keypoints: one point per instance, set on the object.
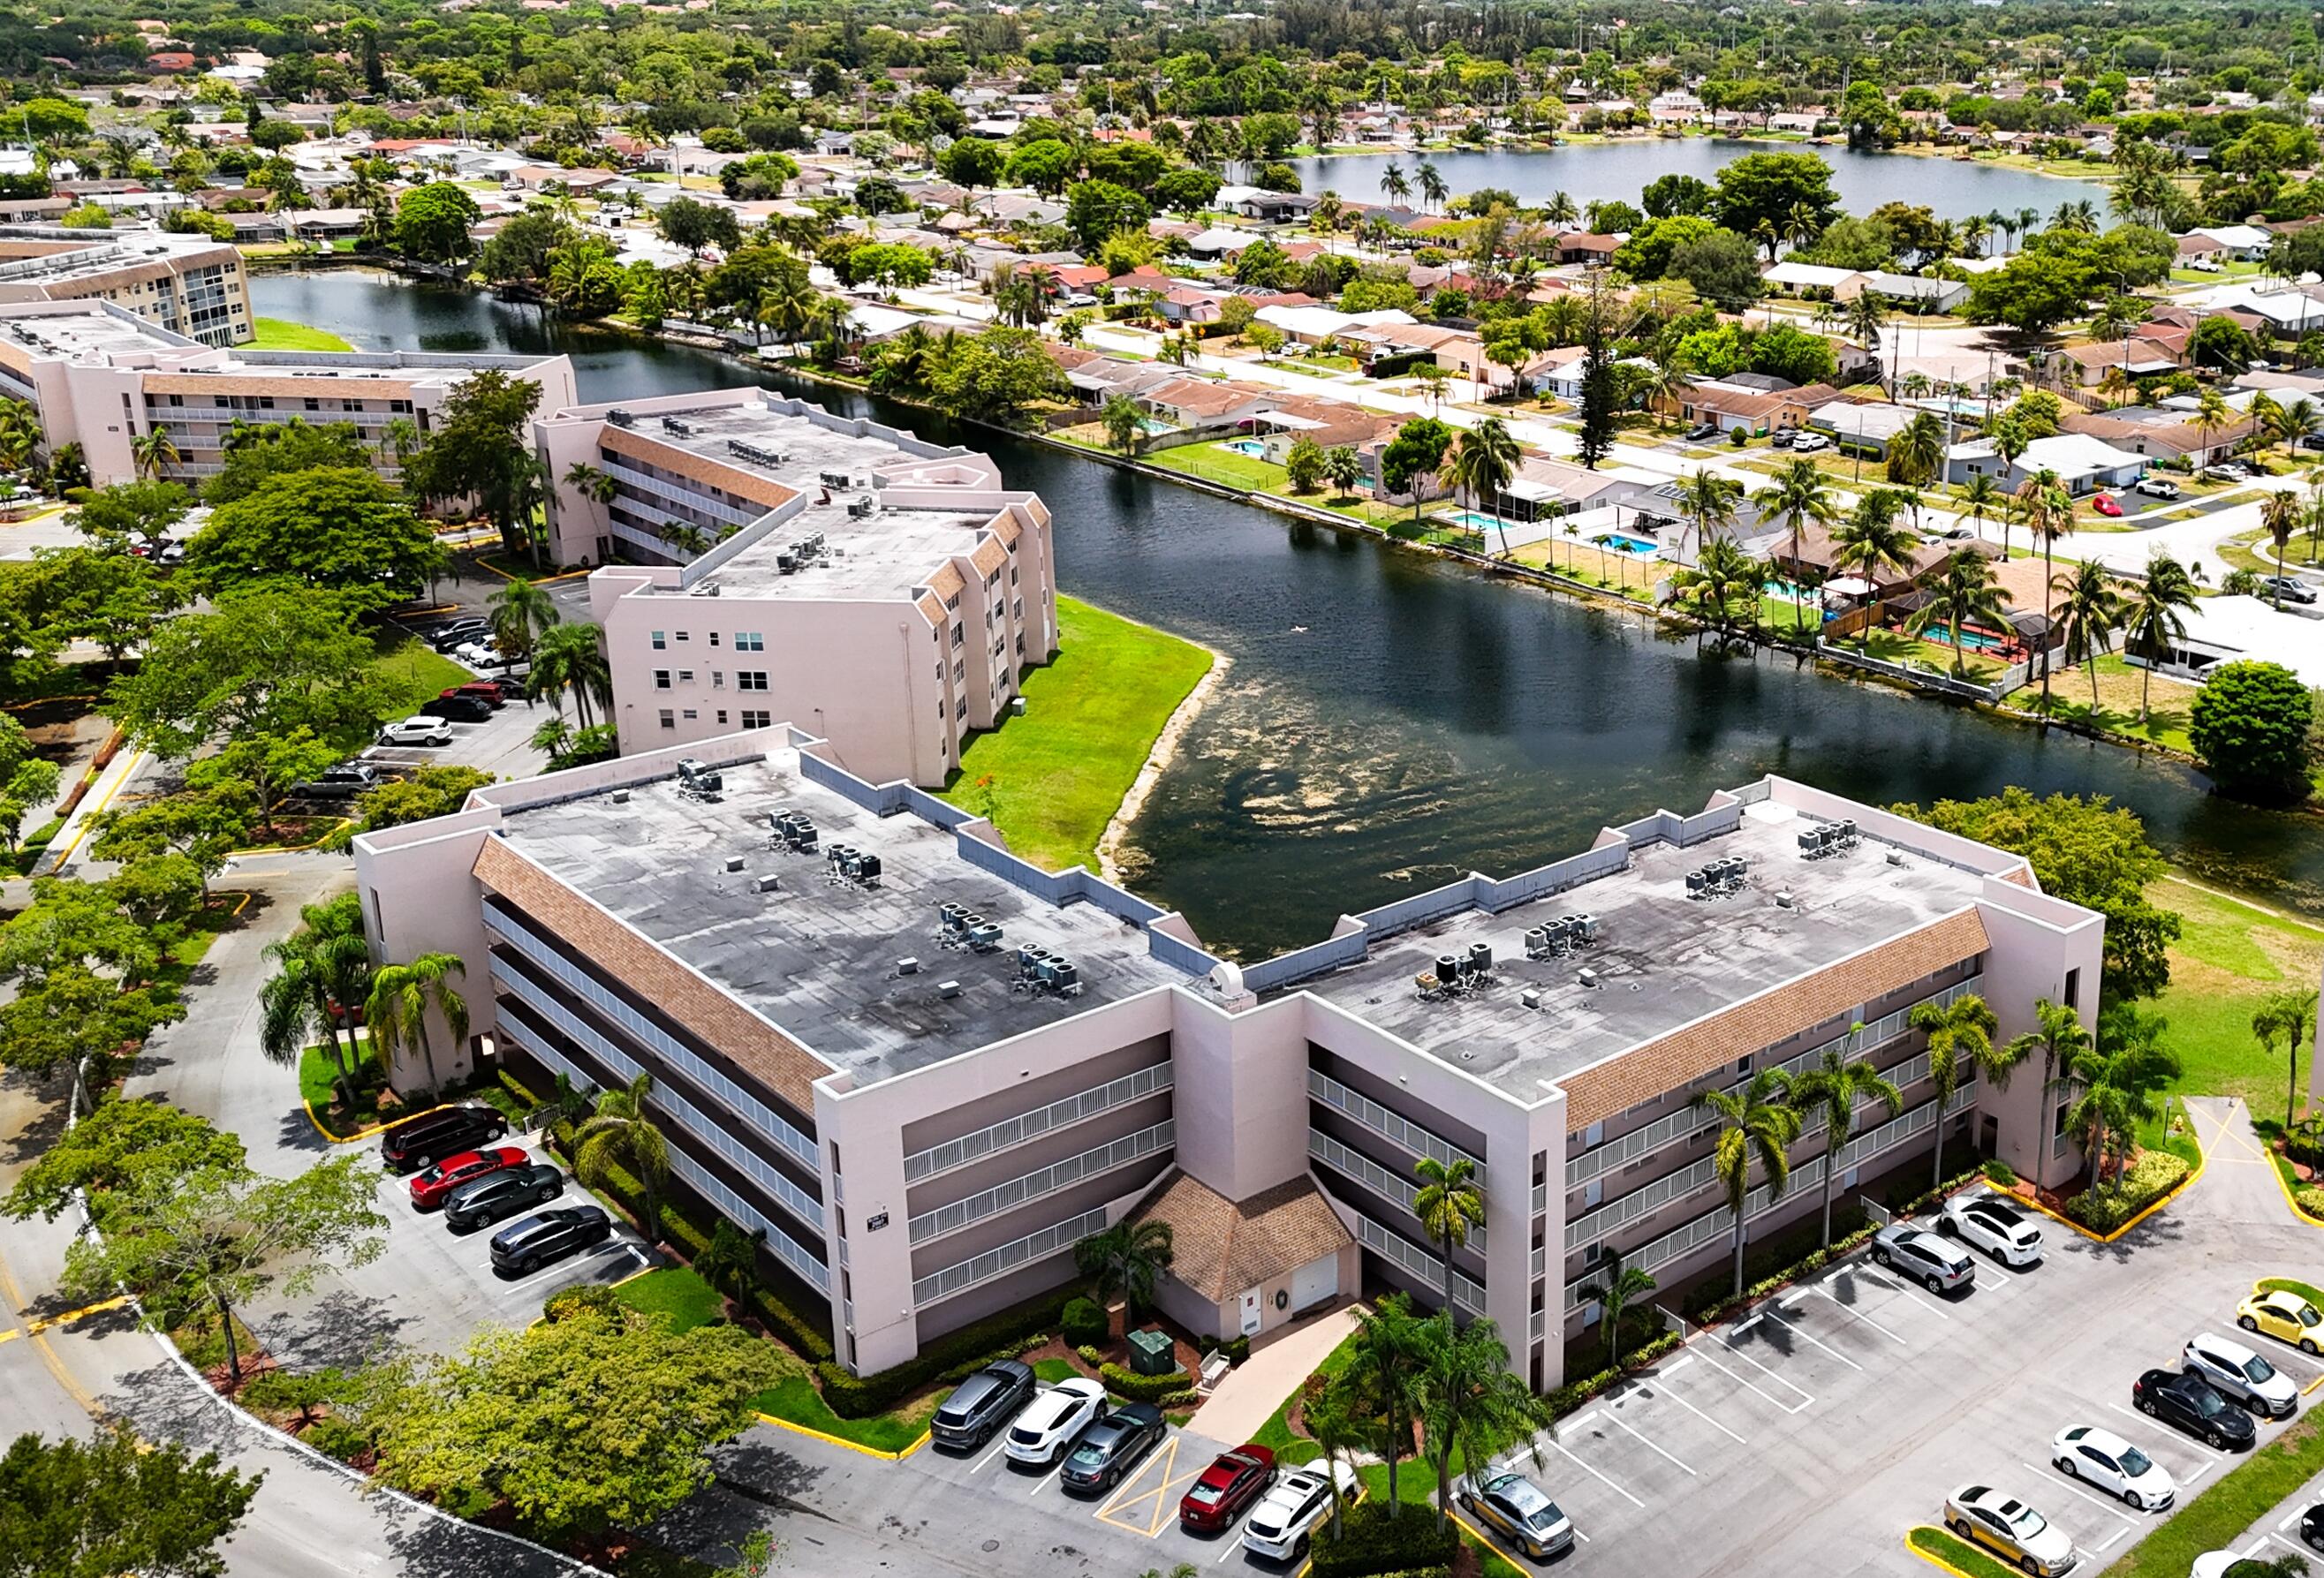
(1315, 1281)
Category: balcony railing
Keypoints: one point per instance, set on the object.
(1044, 1181)
(691, 498)
(1428, 1268)
(1376, 1178)
(1009, 1257)
(1009, 1132)
(1380, 1121)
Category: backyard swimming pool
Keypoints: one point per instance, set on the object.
(1253, 447)
(1636, 548)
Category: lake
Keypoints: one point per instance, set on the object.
(1864, 179)
(1392, 720)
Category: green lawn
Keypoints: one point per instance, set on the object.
(1052, 779)
(316, 1069)
(2120, 687)
(1215, 463)
(1958, 1554)
(1276, 1433)
(2229, 955)
(419, 672)
(1053, 1371)
(797, 1401)
(2234, 1501)
(674, 1292)
(280, 334)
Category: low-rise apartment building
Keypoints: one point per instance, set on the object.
(927, 1068)
(188, 284)
(886, 592)
(100, 376)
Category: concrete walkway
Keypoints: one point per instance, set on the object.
(1254, 1388)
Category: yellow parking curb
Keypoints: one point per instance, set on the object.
(2284, 1188)
(1478, 1536)
(1932, 1560)
(374, 1129)
(851, 1446)
(345, 822)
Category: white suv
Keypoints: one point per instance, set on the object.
(2240, 1375)
(1928, 1259)
(1278, 1529)
(1052, 1419)
(1986, 1222)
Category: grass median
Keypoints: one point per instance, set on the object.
(1052, 779)
(1956, 1553)
(2237, 1499)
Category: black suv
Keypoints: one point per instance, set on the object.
(981, 1404)
(501, 1195)
(552, 1236)
(2190, 1403)
(425, 1141)
(457, 709)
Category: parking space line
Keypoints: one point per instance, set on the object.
(2290, 1518)
(1807, 1399)
(1925, 1303)
(999, 1447)
(2058, 1477)
(2274, 1357)
(1625, 1426)
(1601, 1479)
(1858, 1315)
(1826, 1347)
(2183, 1440)
(1667, 1393)
(1159, 1494)
(1048, 1474)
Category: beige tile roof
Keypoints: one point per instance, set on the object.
(762, 1052)
(1688, 1053)
(1223, 1248)
(760, 490)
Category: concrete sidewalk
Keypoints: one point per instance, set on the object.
(1254, 1388)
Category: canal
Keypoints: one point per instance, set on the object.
(1391, 721)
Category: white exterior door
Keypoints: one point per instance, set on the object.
(1251, 1313)
(1314, 1282)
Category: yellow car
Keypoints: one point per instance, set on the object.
(2284, 1316)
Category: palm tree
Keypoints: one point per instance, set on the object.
(1481, 465)
(1472, 1403)
(153, 450)
(554, 737)
(2093, 612)
(2155, 621)
(1433, 189)
(1980, 496)
(1126, 1258)
(2059, 1037)
(1917, 455)
(1386, 1355)
(1619, 1287)
(1330, 1421)
(2212, 415)
(2047, 512)
(1756, 1123)
(20, 433)
(2292, 1015)
(1872, 547)
(2280, 514)
(569, 657)
(1799, 494)
(1960, 1030)
(396, 1011)
(1865, 317)
(1962, 591)
(321, 972)
(1392, 182)
(522, 611)
(623, 1135)
(591, 483)
(1836, 1085)
(1723, 577)
(1344, 467)
(2294, 423)
(1449, 1205)
(2120, 1081)
(1708, 500)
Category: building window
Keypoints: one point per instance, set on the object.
(749, 641)
(314, 405)
(691, 715)
(682, 635)
(668, 719)
(661, 679)
(2073, 989)
(714, 638)
(686, 676)
(754, 719)
(751, 679)
(661, 642)
(2058, 1119)
(1743, 1064)
(722, 714)
(717, 679)
(960, 711)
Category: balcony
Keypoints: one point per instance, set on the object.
(1047, 1180)
(1372, 1115)
(995, 1263)
(1376, 1178)
(1013, 1131)
(677, 493)
(1429, 1269)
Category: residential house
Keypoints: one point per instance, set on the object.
(2244, 243)
(2168, 432)
(1733, 406)
(2083, 459)
(1793, 278)
(1264, 206)
(1200, 405)
(1925, 292)
(1587, 248)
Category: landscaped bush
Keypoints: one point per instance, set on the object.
(1124, 1382)
(1372, 1542)
(2105, 1206)
(1574, 1393)
(1906, 1201)
(1004, 1334)
(1091, 1354)
(2000, 1172)
(1084, 1324)
(2309, 1198)
(1712, 1300)
(334, 1437)
(582, 1297)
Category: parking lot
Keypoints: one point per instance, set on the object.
(433, 1288)
(501, 744)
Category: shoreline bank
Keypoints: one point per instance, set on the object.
(1160, 757)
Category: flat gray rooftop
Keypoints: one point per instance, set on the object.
(1663, 959)
(818, 959)
(73, 336)
(885, 553)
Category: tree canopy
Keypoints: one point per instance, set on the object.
(112, 1504)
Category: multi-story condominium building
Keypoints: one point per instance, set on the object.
(886, 592)
(188, 284)
(927, 1069)
(100, 376)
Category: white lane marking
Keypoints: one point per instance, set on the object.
(1583, 1422)
(2066, 1484)
(2289, 1544)
(1666, 1392)
(2288, 1352)
(1234, 1548)
(2109, 1539)
(1048, 1473)
(2183, 1440)
(1826, 1347)
(1858, 1315)
(1931, 1305)
(1650, 1446)
(1675, 1367)
(998, 1446)
(1601, 1479)
(1807, 1400)
(2290, 1518)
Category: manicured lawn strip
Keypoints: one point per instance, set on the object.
(2229, 956)
(676, 1293)
(1276, 1433)
(1055, 778)
(2119, 686)
(1052, 1370)
(2235, 1500)
(280, 334)
(1415, 1484)
(419, 672)
(2307, 1290)
(1955, 1552)
(28, 853)
(796, 1401)
(1215, 464)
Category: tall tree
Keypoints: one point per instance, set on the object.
(115, 1504)
(122, 1150)
(1756, 1123)
(1127, 1258)
(1959, 1031)
(2155, 619)
(1799, 497)
(1387, 1359)
(397, 1011)
(1450, 1206)
(1837, 1084)
(1962, 591)
(2091, 613)
(621, 1133)
(1483, 461)
(2058, 1035)
(1617, 1288)
(1474, 1406)
(322, 973)
(2289, 1014)
(480, 448)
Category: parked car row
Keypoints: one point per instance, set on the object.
(454, 1170)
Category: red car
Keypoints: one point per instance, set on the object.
(488, 691)
(431, 1184)
(2104, 503)
(1227, 1487)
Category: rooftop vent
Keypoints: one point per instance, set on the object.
(947, 988)
(769, 883)
(1785, 901)
(1589, 980)
(733, 863)
(1719, 879)
(620, 418)
(699, 781)
(907, 966)
(793, 831)
(707, 589)
(621, 797)
(1828, 838)
(678, 426)
(1896, 856)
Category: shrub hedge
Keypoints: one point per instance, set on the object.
(1091, 1354)
(1370, 1542)
(1143, 1388)
(2105, 1207)
(954, 1356)
(2001, 1172)
(1084, 1324)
